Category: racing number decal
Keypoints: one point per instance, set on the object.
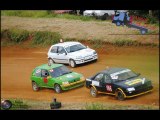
(45, 80)
(109, 88)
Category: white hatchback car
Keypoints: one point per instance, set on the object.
(71, 53)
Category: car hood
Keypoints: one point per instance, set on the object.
(83, 52)
(70, 77)
(135, 82)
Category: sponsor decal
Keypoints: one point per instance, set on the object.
(116, 73)
(109, 88)
(114, 77)
(38, 71)
(133, 82)
(95, 83)
(69, 76)
(51, 70)
(45, 80)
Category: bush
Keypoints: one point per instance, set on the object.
(17, 35)
(45, 38)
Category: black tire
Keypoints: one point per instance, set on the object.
(120, 95)
(57, 88)
(143, 32)
(55, 105)
(118, 23)
(72, 63)
(6, 104)
(106, 16)
(35, 86)
(93, 92)
(51, 60)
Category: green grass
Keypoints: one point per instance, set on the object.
(18, 104)
(110, 106)
(45, 38)
(43, 14)
(27, 13)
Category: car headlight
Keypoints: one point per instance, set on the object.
(64, 83)
(94, 52)
(131, 89)
(82, 78)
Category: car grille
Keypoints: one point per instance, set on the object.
(143, 87)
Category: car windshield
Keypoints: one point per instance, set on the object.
(74, 48)
(123, 75)
(59, 71)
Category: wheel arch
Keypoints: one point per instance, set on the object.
(119, 89)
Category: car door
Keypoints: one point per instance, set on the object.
(37, 77)
(53, 53)
(107, 84)
(62, 55)
(97, 81)
(44, 74)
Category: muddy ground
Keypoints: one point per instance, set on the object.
(18, 62)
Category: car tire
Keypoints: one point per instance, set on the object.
(93, 92)
(106, 16)
(72, 63)
(57, 88)
(35, 86)
(120, 95)
(143, 32)
(118, 23)
(51, 60)
(55, 105)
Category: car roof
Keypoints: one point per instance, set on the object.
(66, 44)
(113, 70)
(45, 66)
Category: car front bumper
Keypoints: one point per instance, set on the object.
(139, 92)
(91, 58)
(73, 85)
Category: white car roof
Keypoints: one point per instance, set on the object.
(65, 44)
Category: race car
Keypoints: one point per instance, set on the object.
(72, 53)
(120, 82)
(56, 76)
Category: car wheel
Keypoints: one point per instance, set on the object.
(57, 88)
(118, 23)
(51, 61)
(143, 32)
(72, 63)
(106, 16)
(120, 95)
(35, 86)
(93, 92)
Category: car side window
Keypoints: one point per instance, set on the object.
(99, 77)
(54, 49)
(38, 72)
(45, 73)
(61, 50)
(107, 79)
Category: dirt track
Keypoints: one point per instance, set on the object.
(17, 64)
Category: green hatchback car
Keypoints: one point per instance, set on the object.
(56, 76)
